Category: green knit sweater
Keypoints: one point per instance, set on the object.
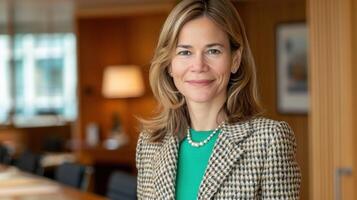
(192, 163)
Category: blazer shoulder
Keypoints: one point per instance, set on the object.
(267, 125)
(145, 140)
(145, 148)
(144, 143)
(274, 130)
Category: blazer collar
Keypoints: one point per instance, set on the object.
(225, 154)
(165, 166)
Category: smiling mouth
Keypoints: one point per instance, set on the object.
(199, 82)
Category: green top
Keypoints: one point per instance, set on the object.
(192, 163)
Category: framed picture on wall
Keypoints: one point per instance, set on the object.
(292, 69)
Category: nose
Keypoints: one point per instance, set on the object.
(198, 63)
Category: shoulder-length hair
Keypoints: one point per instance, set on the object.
(242, 99)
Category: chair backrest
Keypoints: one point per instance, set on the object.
(122, 186)
(29, 162)
(70, 174)
(4, 155)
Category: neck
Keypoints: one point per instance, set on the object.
(206, 116)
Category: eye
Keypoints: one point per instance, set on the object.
(184, 53)
(213, 51)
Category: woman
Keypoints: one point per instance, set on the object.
(208, 141)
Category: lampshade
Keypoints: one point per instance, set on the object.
(122, 82)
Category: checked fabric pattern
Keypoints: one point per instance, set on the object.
(251, 160)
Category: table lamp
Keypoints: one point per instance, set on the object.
(123, 81)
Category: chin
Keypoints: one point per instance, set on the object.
(200, 99)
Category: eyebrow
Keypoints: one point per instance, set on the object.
(209, 45)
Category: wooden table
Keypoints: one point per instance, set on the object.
(19, 185)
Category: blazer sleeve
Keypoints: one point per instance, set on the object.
(138, 161)
(281, 175)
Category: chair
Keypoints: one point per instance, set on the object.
(122, 186)
(5, 157)
(74, 175)
(29, 162)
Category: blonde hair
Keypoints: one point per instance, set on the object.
(242, 98)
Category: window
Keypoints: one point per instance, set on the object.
(5, 102)
(44, 76)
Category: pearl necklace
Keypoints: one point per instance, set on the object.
(200, 144)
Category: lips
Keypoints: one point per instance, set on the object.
(200, 82)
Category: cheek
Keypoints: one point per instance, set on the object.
(224, 69)
(177, 68)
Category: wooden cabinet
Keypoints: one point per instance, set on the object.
(120, 156)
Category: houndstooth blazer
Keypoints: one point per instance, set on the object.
(254, 160)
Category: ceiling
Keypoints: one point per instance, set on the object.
(28, 11)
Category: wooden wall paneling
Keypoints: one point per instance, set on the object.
(118, 40)
(354, 73)
(332, 120)
(117, 8)
(261, 19)
(346, 132)
(100, 44)
(144, 31)
(145, 34)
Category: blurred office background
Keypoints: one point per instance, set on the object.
(59, 99)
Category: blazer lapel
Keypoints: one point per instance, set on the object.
(165, 165)
(225, 155)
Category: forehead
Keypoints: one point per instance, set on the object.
(202, 30)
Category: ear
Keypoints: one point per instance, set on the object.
(237, 56)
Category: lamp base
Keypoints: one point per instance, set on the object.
(116, 141)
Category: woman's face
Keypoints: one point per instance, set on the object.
(201, 63)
